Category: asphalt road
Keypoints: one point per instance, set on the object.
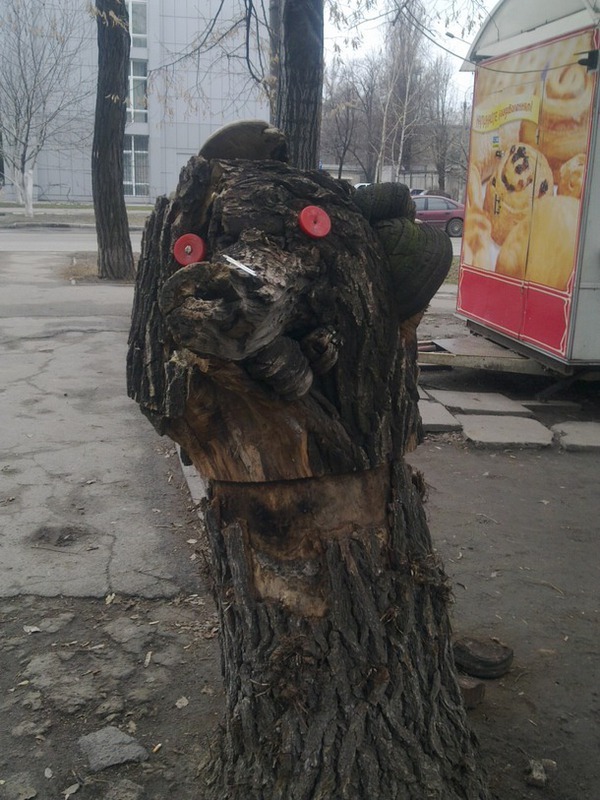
(72, 240)
(54, 240)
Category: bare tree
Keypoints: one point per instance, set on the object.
(377, 102)
(405, 54)
(41, 88)
(442, 130)
(470, 14)
(340, 108)
(281, 46)
(233, 38)
(368, 127)
(115, 257)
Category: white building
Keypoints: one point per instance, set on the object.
(171, 111)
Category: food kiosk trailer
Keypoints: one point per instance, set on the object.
(529, 275)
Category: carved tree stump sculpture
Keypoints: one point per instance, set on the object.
(282, 359)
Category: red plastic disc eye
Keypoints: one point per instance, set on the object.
(314, 222)
(189, 249)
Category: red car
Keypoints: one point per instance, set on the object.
(441, 212)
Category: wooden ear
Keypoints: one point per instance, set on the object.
(420, 257)
(379, 201)
(250, 139)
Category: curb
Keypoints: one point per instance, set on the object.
(60, 225)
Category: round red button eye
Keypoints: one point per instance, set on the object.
(314, 222)
(189, 249)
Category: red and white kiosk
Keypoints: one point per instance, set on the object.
(530, 263)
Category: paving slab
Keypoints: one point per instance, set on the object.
(558, 403)
(436, 417)
(479, 403)
(578, 435)
(494, 430)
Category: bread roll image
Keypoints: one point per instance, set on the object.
(570, 176)
(512, 257)
(474, 187)
(495, 123)
(478, 247)
(543, 250)
(564, 117)
(514, 73)
(522, 176)
(487, 147)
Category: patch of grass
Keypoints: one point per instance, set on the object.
(83, 268)
(452, 276)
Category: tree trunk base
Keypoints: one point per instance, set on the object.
(336, 646)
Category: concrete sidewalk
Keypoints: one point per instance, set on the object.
(91, 497)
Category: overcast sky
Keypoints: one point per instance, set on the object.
(437, 42)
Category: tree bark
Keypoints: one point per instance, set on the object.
(336, 645)
(115, 256)
(293, 390)
(300, 73)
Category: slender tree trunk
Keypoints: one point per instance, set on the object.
(441, 170)
(299, 94)
(274, 56)
(115, 257)
(292, 388)
(28, 192)
(403, 124)
(19, 184)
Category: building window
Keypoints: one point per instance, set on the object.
(135, 166)
(138, 90)
(138, 24)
